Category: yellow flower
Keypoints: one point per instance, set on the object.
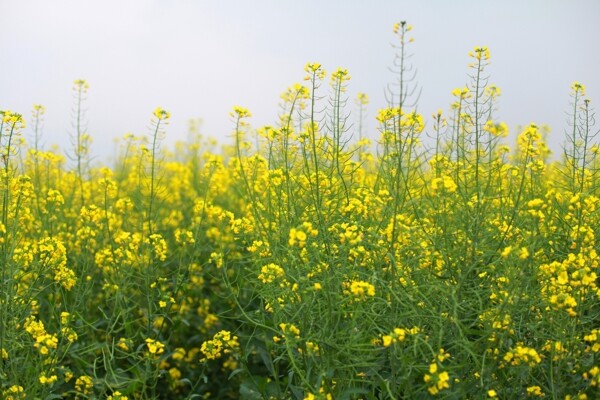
(312, 67)
(81, 84)
(362, 98)
(12, 119)
(175, 373)
(505, 253)
(271, 273)
(593, 376)
(117, 396)
(497, 130)
(523, 355)
(221, 343)
(123, 344)
(159, 246)
(443, 355)
(399, 335)
(359, 289)
(84, 384)
(314, 71)
(301, 91)
(436, 381)
(388, 114)
(290, 329)
(240, 112)
(523, 253)
(47, 380)
(387, 340)
(535, 391)
(14, 392)
(297, 237)
(312, 348)
(443, 184)
(340, 75)
(155, 348)
(69, 333)
(161, 114)
(43, 340)
(493, 91)
(64, 317)
(463, 93)
(480, 53)
(578, 89)
(179, 354)
(401, 27)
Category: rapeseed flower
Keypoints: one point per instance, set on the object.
(359, 290)
(480, 53)
(161, 114)
(14, 392)
(84, 384)
(290, 330)
(297, 237)
(47, 379)
(362, 98)
(462, 93)
(81, 85)
(117, 396)
(44, 341)
(155, 347)
(339, 76)
(520, 355)
(443, 184)
(315, 71)
(221, 344)
(593, 375)
(436, 380)
(578, 89)
(271, 273)
(397, 335)
(593, 338)
(178, 354)
(535, 391)
(240, 112)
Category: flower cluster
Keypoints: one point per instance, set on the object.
(221, 344)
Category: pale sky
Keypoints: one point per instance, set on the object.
(198, 59)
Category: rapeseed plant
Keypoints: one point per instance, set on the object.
(302, 262)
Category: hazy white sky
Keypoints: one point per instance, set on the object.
(198, 58)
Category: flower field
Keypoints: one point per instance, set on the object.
(307, 260)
